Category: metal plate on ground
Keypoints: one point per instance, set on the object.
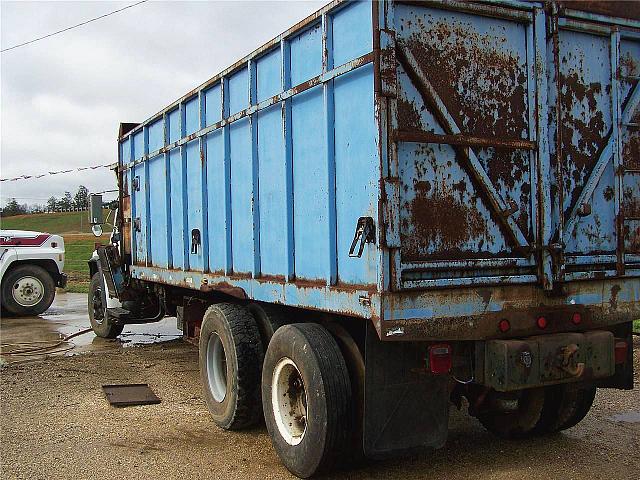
(130, 394)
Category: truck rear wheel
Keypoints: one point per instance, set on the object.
(268, 318)
(101, 324)
(514, 415)
(230, 357)
(27, 290)
(564, 407)
(306, 398)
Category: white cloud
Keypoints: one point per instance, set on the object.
(62, 98)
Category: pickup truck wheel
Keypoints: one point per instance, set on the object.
(97, 306)
(306, 398)
(514, 415)
(564, 407)
(27, 290)
(230, 357)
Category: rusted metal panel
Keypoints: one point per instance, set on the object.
(464, 135)
(473, 138)
(595, 186)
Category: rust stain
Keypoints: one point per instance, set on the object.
(608, 193)
(440, 214)
(483, 85)
(408, 115)
(226, 288)
(631, 144)
(583, 128)
(613, 301)
(632, 237)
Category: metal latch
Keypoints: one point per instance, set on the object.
(365, 233)
(135, 183)
(137, 224)
(195, 240)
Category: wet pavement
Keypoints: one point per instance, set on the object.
(68, 315)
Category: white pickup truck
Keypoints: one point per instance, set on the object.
(31, 266)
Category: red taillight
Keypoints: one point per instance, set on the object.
(620, 351)
(504, 325)
(542, 323)
(440, 358)
(576, 318)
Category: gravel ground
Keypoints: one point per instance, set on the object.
(56, 423)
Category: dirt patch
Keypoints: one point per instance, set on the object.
(56, 423)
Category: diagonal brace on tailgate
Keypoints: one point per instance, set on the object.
(429, 94)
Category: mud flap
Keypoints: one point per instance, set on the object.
(405, 407)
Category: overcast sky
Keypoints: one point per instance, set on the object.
(63, 97)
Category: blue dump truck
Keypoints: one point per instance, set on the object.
(392, 208)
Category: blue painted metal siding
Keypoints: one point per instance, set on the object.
(310, 185)
(276, 191)
(158, 210)
(177, 209)
(216, 184)
(273, 191)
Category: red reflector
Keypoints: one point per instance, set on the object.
(620, 352)
(576, 319)
(440, 358)
(542, 322)
(504, 325)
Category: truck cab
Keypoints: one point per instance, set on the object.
(31, 267)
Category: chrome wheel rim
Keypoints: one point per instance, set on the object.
(216, 368)
(27, 291)
(289, 401)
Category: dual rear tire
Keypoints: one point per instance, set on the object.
(301, 383)
(539, 411)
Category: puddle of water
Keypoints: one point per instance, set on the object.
(626, 417)
(68, 315)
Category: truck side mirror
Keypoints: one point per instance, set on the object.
(95, 209)
(95, 214)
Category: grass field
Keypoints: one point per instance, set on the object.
(78, 240)
(59, 222)
(78, 249)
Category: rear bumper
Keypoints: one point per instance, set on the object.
(475, 313)
(507, 365)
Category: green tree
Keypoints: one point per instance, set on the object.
(66, 202)
(81, 198)
(52, 203)
(13, 208)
